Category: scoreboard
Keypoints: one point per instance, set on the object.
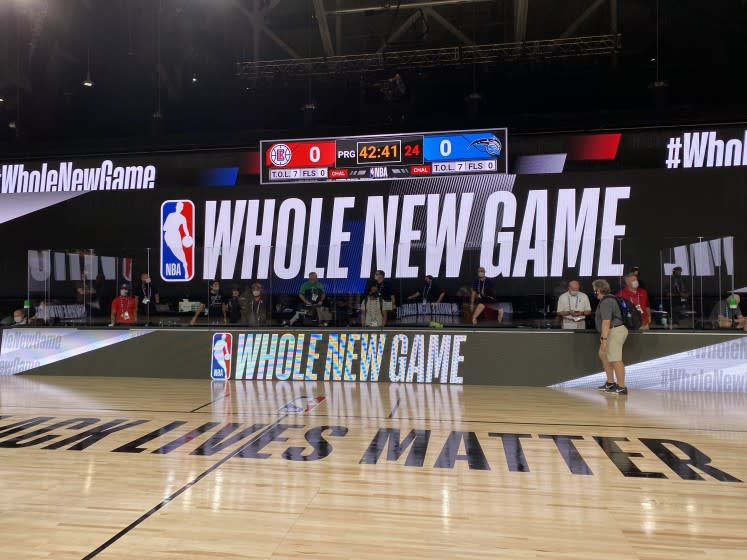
(373, 158)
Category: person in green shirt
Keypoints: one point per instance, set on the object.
(311, 295)
(312, 291)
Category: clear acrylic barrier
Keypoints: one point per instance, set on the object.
(81, 287)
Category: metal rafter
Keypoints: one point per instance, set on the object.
(573, 27)
(389, 6)
(521, 12)
(446, 24)
(321, 19)
(428, 58)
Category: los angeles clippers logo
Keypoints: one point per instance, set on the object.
(280, 155)
(220, 361)
(177, 240)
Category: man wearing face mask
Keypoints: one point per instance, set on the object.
(124, 308)
(19, 317)
(574, 307)
(639, 297)
(256, 308)
(482, 296)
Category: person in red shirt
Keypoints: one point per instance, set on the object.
(124, 308)
(639, 297)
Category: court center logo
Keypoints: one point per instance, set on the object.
(220, 360)
(177, 240)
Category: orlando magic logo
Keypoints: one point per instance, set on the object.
(177, 240)
(220, 361)
(491, 146)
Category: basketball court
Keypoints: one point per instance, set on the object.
(100, 467)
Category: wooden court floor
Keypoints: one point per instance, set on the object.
(93, 467)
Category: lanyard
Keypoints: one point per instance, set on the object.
(426, 290)
(637, 299)
(259, 305)
(123, 304)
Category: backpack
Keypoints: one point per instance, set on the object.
(631, 316)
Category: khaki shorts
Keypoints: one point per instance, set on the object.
(615, 340)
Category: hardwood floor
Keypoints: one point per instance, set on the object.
(148, 468)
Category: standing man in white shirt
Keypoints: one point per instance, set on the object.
(574, 307)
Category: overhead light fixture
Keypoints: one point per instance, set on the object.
(88, 82)
(194, 78)
(12, 125)
(2, 99)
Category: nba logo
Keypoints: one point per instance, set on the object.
(177, 240)
(220, 361)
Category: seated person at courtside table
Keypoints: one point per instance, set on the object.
(312, 295)
(727, 315)
(482, 296)
(216, 305)
(574, 307)
(429, 293)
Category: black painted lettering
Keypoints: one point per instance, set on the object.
(217, 442)
(569, 453)
(389, 439)
(450, 453)
(695, 458)
(134, 446)
(16, 427)
(513, 450)
(321, 448)
(89, 437)
(620, 458)
(20, 441)
(186, 438)
(252, 450)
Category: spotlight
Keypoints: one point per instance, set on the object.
(12, 125)
(88, 82)
(2, 99)
(194, 78)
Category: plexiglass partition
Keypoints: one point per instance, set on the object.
(688, 284)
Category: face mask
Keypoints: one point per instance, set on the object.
(573, 292)
(634, 284)
(256, 293)
(122, 292)
(147, 280)
(481, 274)
(17, 319)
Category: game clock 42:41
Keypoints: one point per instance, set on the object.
(362, 153)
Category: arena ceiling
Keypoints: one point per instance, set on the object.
(224, 69)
